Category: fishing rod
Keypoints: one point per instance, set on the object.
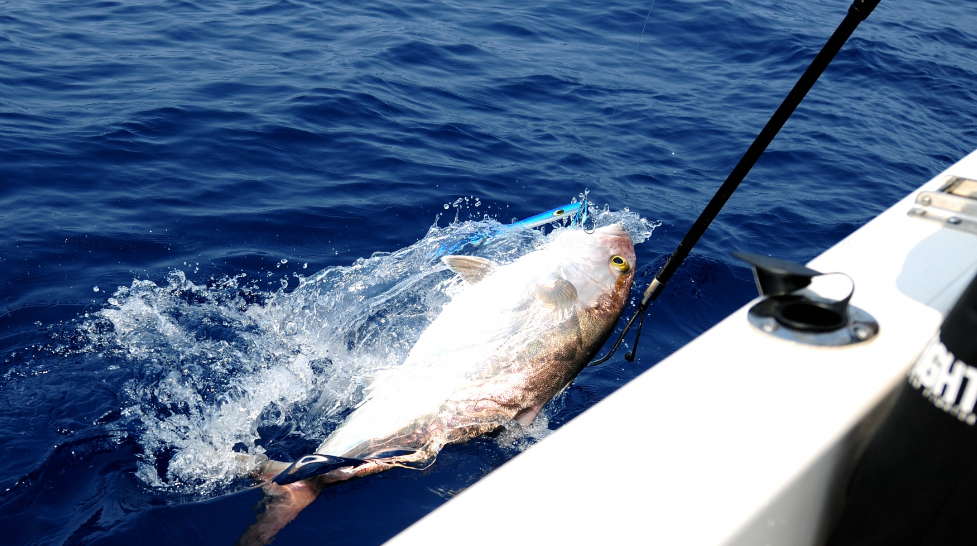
(857, 12)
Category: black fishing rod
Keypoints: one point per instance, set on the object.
(857, 13)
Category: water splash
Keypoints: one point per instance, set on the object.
(225, 371)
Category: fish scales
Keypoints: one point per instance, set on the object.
(502, 348)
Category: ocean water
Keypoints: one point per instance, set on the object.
(217, 217)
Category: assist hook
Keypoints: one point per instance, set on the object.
(650, 294)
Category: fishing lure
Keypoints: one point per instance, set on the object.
(576, 212)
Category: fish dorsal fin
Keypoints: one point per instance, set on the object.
(559, 294)
(470, 268)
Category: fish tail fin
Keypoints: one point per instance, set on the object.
(290, 487)
(282, 504)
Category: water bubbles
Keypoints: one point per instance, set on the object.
(463, 203)
(95, 289)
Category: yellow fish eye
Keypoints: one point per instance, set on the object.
(619, 263)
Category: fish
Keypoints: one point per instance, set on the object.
(513, 337)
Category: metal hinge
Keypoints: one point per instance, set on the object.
(954, 205)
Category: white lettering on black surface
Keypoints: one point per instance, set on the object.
(949, 383)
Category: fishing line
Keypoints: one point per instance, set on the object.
(634, 53)
(857, 12)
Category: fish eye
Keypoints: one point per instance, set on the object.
(559, 212)
(619, 263)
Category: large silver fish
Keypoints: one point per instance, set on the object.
(508, 342)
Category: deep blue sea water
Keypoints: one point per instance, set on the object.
(171, 171)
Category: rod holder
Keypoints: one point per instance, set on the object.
(789, 310)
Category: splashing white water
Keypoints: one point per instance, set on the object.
(226, 369)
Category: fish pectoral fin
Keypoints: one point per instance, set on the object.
(559, 294)
(526, 416)
(470, 268)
